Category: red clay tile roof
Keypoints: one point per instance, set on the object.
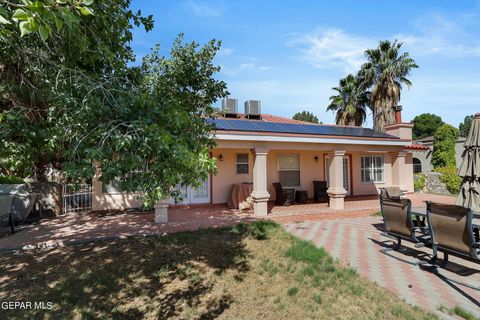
(416, 147)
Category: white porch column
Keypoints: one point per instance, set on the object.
(260, 193)
(400, 172)
(336, 191)
(161, 212)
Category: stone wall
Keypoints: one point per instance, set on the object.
(434, 185)
(50, 196)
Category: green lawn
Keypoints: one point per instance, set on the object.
(255, 271)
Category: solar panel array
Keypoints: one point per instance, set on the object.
(262, 126)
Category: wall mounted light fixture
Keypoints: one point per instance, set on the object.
(220, 157)
(316, 158)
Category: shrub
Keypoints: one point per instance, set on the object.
(11, 180)
(452, 181)
(419, 182)
(444, 146)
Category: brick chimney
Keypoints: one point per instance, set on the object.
(398, 114)
(400, 129)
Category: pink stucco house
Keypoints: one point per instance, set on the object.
(263, 149)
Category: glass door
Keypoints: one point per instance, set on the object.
(194, 195)
(201, 194)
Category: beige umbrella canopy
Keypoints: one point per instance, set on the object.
(469, 170)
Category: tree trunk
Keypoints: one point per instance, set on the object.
(40, 172)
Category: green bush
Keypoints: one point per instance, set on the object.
(444, 146)
(449, 176)
(11, 180)
(419, 182)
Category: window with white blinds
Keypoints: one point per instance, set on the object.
(289, 170)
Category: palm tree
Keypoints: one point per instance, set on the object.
(384, 74)
(350, 102)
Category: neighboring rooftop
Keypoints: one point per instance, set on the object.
(429, 140)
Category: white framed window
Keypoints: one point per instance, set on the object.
(289, 170)
(372, 169)
(242, 163)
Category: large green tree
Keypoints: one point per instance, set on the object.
(425, 125)
(350, 103)
(384, 74)
(443, 154)
(69, 99)
(50, 52)
(306, 116)
(464, 127)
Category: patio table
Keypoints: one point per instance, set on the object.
(240, 197)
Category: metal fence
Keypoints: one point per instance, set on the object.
(77, 199)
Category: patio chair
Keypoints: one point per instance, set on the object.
(453, 232)
(390, 193)
(22, 207)
(284, 196)
(399, 224)
(320, 191)
(394, 193)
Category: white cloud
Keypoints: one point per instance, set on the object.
(453, 37)
(332, 48)
(203, 10)
(243, 66)
(225, 52)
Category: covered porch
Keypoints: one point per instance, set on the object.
(353, 174)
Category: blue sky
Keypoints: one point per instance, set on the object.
(289, 54)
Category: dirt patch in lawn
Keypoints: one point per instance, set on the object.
(248, 271)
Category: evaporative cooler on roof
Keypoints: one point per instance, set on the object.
(253, 109)
(230, 108)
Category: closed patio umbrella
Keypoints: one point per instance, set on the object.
(469, 169)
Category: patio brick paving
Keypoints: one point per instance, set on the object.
(85, 227)
(356, 242)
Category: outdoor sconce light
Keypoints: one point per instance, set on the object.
(316, 158)
(220, 157)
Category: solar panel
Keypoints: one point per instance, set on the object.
(262, 126)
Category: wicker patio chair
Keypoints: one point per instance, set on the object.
(320, 191)
(284, 196)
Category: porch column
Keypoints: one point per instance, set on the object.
(336, 191)
(260, 193)
(400, 172)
